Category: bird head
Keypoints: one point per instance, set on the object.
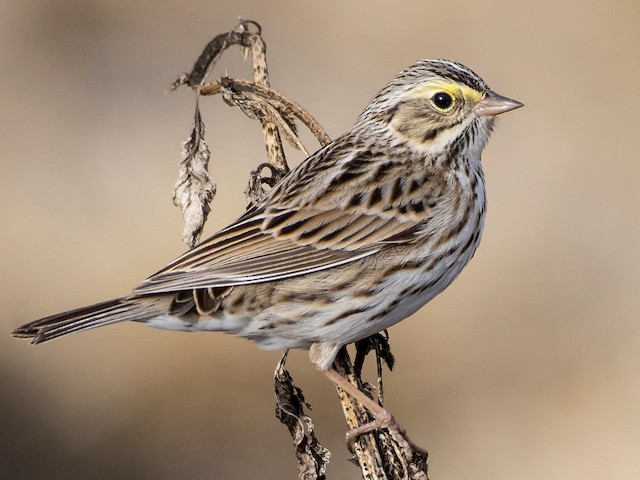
(434, 103)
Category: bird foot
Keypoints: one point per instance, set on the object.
(381, 418)
(385, 420)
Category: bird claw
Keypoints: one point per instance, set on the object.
(396, 431)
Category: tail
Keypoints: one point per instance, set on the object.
(105, 313)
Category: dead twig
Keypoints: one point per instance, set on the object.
(267, 97)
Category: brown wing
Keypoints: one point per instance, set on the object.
(324, 214)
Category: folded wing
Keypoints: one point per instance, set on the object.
(360, 207)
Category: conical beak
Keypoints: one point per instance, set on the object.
(493, 104)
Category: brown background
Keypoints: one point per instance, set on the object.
(528, 367)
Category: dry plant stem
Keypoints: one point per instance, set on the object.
(400, 457)
(378, 343)
(364, 448)
(257, 107)
(272, 140)
(272, 96)
(240, 35)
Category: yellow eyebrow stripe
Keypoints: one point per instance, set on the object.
(426, 90)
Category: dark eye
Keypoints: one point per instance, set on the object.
(442, 100)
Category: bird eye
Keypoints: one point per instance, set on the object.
(442, 100)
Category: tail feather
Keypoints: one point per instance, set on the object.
(104, 313)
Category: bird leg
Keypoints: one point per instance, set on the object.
(382, 418)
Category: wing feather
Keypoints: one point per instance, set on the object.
(357, 210)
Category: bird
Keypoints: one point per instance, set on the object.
(359, 236)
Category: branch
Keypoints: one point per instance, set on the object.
(268, 98)
(378, 454)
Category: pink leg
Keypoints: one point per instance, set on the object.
(383, 419)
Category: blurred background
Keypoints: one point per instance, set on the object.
(527, 367)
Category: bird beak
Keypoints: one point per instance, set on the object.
(493, 104)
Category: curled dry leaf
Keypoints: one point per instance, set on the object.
(194, 190)
(312, 456)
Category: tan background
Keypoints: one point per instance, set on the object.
(527, 368)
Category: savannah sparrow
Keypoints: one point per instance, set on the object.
(359, 236)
